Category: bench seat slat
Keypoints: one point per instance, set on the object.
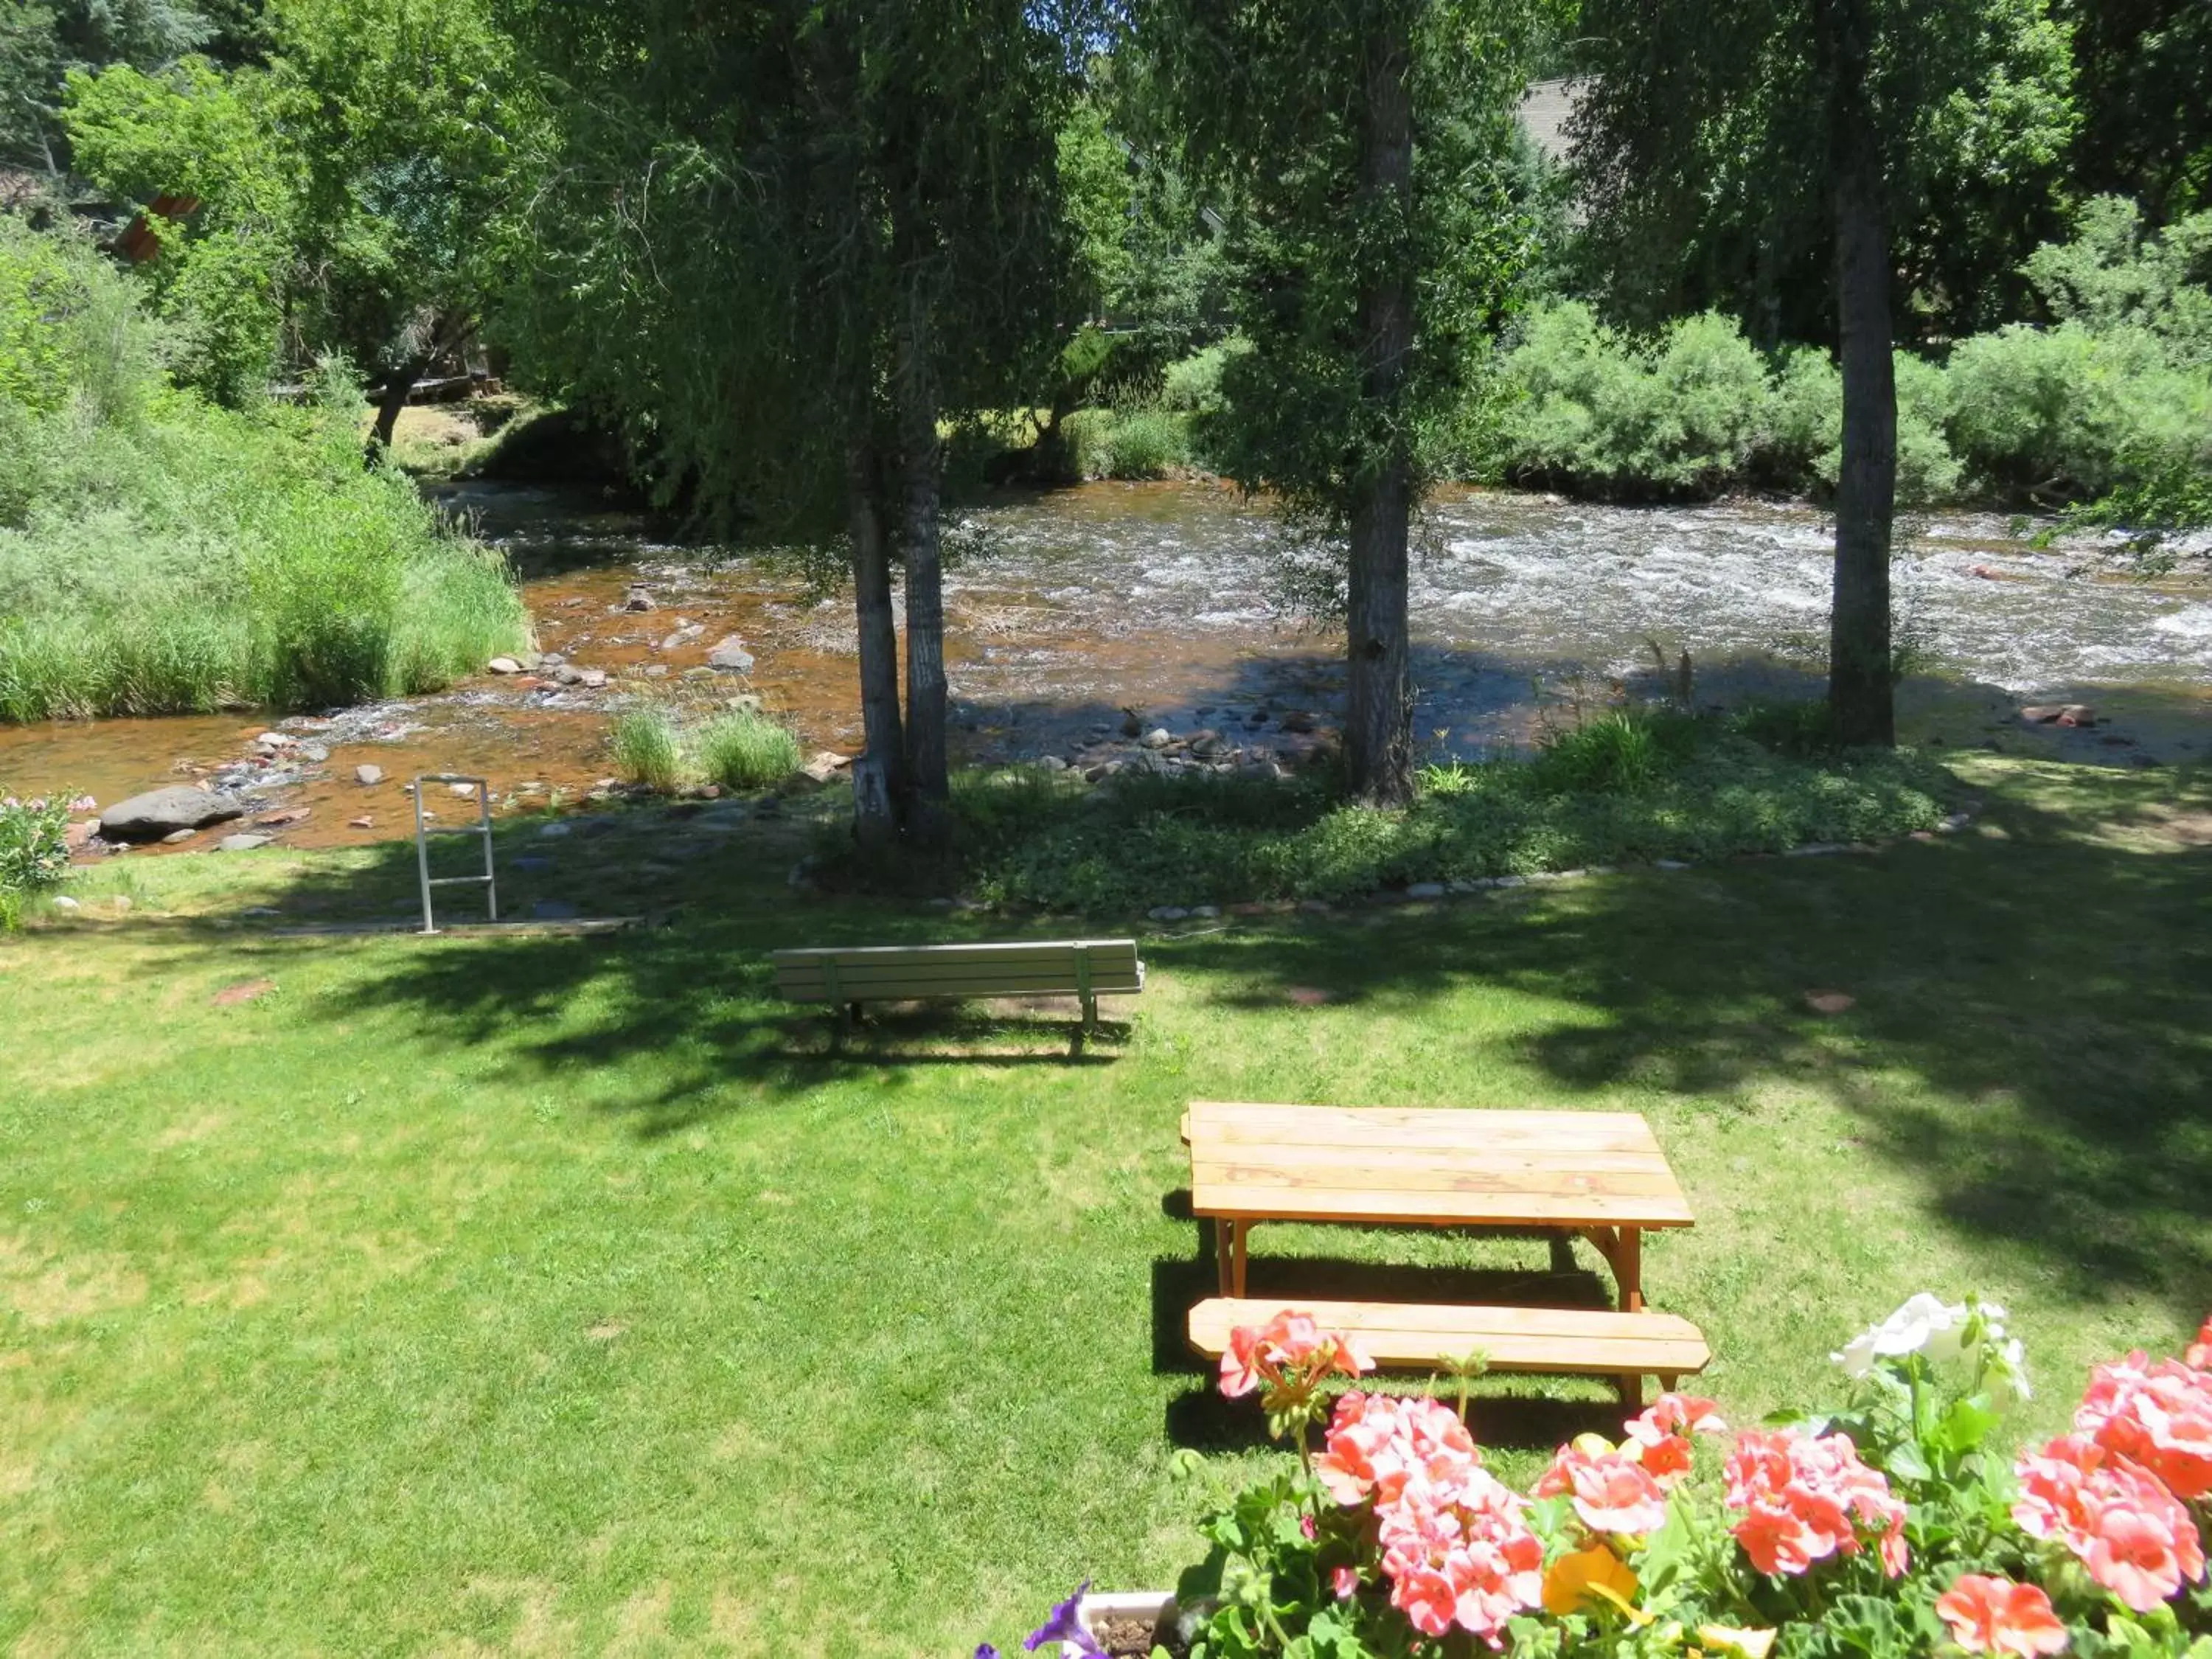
(897, 973)
(1428, 1337)
(888, 987)
(1104, 952)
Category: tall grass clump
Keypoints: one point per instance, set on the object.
(648, 748)
(742, 749)
(161, 555)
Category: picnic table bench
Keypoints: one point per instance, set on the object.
(1599, 1176)
(851, 976)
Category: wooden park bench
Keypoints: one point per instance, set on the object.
(1409, 1336)
(1597, 1175)
(851, 978)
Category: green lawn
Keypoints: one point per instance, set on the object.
(565, 1297)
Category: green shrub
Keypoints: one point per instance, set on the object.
(648, 748)
(2062, 414)
(1605, 413)
(1192, 384)
(2111, 276)
(745, 750)
(158, 554)
(33, 850)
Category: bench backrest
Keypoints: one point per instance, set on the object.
(895, 973)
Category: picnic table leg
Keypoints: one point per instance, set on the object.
(1244, 1232)
(1225, 1254)
(1628, 1268)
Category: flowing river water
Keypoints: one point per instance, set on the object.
(1071, 607)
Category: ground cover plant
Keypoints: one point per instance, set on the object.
(158, 554)
(569, 1295)
(1629, 785)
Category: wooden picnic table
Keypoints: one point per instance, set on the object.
(1597, 1175)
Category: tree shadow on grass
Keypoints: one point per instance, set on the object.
(2048, 980)
(2044, 981)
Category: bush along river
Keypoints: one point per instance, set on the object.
(1082, 622)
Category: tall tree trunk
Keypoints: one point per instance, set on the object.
(396, 391)
(927, 819)
(879, 776)
(1378, 728)
(1859, 677)
(447, 330)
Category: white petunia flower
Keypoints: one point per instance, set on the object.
(1922, 1325)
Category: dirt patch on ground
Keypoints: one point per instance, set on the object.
(45, 1289)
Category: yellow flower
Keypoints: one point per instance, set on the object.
(1746, 1643)
(1592, 1573)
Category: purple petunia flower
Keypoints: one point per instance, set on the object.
(1066, 1627)
(985, 1651)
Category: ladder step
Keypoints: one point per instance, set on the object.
(457, 881)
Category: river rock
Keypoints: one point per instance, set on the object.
(503, 665)
(2059, 714)
(730, 656)
(367, 776)
(1426, 889)
(66, 904)
(242, 843)
(1158, 737)
(160, 813)
(640, 600)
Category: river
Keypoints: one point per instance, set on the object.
(1068, 607)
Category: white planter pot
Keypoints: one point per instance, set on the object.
(1157, 1607)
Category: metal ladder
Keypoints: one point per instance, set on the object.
(482, 827)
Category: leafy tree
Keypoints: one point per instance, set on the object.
(789, 242)
(42, 40)
(222, 278)
(1841, 121)
(2146, 125)
(1363, 144)
(411, 140)
(354, 192)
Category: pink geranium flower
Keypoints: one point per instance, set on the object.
(1611, 1492)
(1289, 1352)
(1659, 1438)
(1456, 1545)
(2158, 1416)
(1805, 1499)
(2200, 1352)
(1995, 1615)
(2118, 1518)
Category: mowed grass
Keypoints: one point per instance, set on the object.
(564, 1295)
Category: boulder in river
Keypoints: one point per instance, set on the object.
(160, 813)
(731, 656)
(367, 776)
(503, 665)
(243, 844)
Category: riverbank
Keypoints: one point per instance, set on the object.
(338, 1267)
